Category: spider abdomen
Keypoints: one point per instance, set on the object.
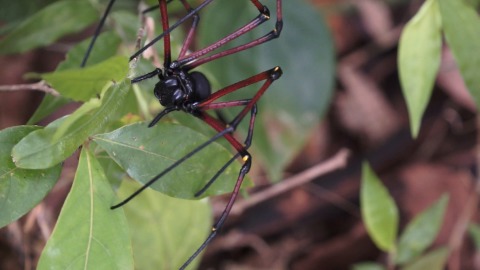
(201, 86)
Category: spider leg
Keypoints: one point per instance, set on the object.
(243, 171)
(248, 142)
(192, 60)
(191, 13)
(102, 23)
(173, 166)
(223, 131)
(269, 76)
(250, 104)
(167, 54)
(189, 39)
(97, 33)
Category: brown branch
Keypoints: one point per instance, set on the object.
(40, 86)
(336, 162)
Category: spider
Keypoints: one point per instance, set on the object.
(180, 88)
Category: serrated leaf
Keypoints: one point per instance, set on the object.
(88, 235)
(421, 232)
(293, 105)
(379, 212)
(38, 150)
(20, 190)
(47, 25)
(162, 233)
(83, 84)
(419, 60)
(145, 152)
(434, 260)
(460, 24)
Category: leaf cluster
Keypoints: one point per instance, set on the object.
(110, 130)
(420, 51)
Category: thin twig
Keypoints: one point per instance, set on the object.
(334, 163)
(40, 86)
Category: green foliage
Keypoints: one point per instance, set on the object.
(368, 266)
(433, 260)
(419, 61)
(84, 84)
(420, 232)
(20, 189)
(144, 154)
(420, 46)
(379, 211)
(474, 231)
(169, 227)
(460, 24)
(88, 234)
(45, 148)
(47, 25)
(380, 216)
(104, 49)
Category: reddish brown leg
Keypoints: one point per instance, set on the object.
(193, 12)
(225, 131)
(166, 38)
(242, 150)
(261, 18)
(191, 32)
(269, 76)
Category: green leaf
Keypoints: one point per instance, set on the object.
(127, 24)
(165, 231)
(105, 47)
(74, 118)
(20, 190)
(15, 11)
(47, 25)
(88, 235)
(145, 152)
(379, 212)
(474, 232)
(368, 266)
(38, 150)
(114, 173)
(434, 260)
(419, 60)
(460, 24)
(293, 105)
(48, 105)
(83, 84)
(421, 232)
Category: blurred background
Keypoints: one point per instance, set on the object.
(340, 94)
